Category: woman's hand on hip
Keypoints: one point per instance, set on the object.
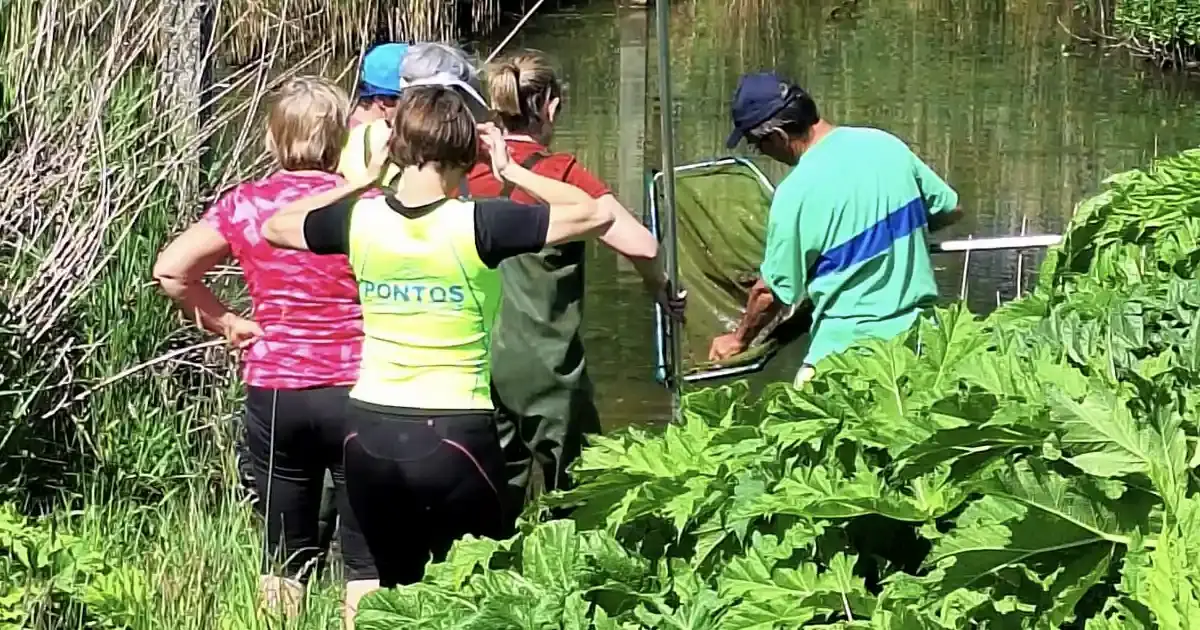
(240, 332)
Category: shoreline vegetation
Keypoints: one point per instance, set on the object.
(1164, 31)
(119, 502)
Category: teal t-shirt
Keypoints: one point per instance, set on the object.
(848, 230)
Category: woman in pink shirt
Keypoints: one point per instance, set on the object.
(301, 350)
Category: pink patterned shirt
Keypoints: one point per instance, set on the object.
(307, 305)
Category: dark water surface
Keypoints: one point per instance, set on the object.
(995, 95)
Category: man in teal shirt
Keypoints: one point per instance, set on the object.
(848, 226)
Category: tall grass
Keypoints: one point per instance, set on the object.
(115, 415)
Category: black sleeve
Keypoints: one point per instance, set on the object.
(505, 228)
(327, 230)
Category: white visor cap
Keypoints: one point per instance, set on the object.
(475, 102)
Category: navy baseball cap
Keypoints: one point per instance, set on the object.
(758, 97)
(381, 70)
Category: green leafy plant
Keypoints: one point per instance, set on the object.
(1034, 469)
(1168, 30)
(1145, 224)
(52, 579)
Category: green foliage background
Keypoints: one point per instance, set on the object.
(1035, 469)
(1167, 29)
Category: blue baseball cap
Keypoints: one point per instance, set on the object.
(381, 70)
(758, 97)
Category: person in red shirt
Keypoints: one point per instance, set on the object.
(301, 350)
(540, 383)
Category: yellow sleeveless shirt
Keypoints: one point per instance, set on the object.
(428, 305)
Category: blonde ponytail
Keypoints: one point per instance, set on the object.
(519, 88)
(504, 89)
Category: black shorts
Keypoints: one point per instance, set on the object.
(416, 481)
(294, 436)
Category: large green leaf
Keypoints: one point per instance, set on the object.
(1030, 516)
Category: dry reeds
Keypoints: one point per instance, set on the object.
(344, 24)
(103, 160)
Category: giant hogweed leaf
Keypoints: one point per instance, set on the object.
(1172, 592)
(950, 339)
(886, 365)
(609, 563)
(821, 492)
(1114, 444)
(1032, 516)
(770, 594)
(1070, 584)
(1102, 427)
(601, 621)
(978, 428)
(678, 451)
(508, 601)
(682, 508)
(550, 556)
(789, 435)
(759, 615)
(1003, 374)
(734, 521)
(972, 447)
(419, 606)
(624, 478)
(693, 605)
(467, 555)
(907, 597)
(716, 406)
(1165, 580)
(1020, 314)
(1117, 615)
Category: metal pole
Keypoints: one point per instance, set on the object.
(662, 13)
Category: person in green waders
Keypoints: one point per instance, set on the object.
(544, 398)
(847, 228)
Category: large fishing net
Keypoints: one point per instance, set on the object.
(721, 217)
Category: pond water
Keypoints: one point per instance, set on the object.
(997, 96)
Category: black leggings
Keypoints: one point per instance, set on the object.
(416, 481)
(289, 469)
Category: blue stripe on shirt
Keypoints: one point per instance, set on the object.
(874, 240)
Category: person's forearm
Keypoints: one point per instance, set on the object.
(944, 220)
(629, 238)
(549, 191)
(651, 271)
(761, 308)
(286, 228)
(199, 303)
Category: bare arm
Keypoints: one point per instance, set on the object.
(286, 228)
(629, 238)
(761, 309)
(574, 215)
(180, 270)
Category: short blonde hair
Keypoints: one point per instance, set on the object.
(306, 128)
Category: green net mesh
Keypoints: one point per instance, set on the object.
(721, 218)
